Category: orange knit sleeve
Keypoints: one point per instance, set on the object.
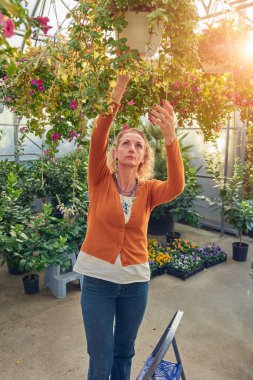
(97, 163)
(165, 191)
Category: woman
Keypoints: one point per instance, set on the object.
(113, 257)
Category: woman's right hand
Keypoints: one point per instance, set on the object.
(123, 79)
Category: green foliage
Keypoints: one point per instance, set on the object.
(248, 167)
(182, 208)
(65, 181)
(27, 179)
(34, 241)
(236, 211)
(16, 12)
(12, 211)
(76, 76)
(61, 180)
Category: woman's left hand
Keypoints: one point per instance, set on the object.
(164, 117)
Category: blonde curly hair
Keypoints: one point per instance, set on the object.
(145, 170)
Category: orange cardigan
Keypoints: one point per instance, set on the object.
(107, 234)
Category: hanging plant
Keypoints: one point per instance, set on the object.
(14, 14)
(59, 87)
(224, 46)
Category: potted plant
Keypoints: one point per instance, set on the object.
(14, 216)
(47, 242)
(240, 215)
(238, 212)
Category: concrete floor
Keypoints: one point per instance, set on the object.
(41, 337)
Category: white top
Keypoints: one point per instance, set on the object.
(94, 267)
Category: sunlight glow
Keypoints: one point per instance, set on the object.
(248, 48)
(219, 145)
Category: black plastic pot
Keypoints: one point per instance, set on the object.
(31, 283)
(240, 252)
(161, 226)
(170, 236)
(13, 266)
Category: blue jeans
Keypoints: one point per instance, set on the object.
(112, 314)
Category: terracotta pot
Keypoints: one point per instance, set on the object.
(139, 35)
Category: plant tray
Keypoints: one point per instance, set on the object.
(209, 264)
(184, 275)
(158, 271)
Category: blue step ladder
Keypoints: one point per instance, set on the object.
(155, 368)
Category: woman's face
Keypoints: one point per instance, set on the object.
(131, 150)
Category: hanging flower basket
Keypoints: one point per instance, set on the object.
(139, 34)
(224, 46)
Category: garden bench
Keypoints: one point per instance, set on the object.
(155, 368)
(57, 281)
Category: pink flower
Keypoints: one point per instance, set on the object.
(125, 127)
(22, 129)
(176, 85)
(8, 99)
(186, 84)
(194, 88)
(73, 104)
(41, 88)
(38, 83)
(42, 20)
(46, 29)
(55, 136)
(31, 93)
(72, 135)
(7, 25)
(122, 108)
(53, 160)
(46, 152)
(9, 29)
(5, 78)
(131, 103)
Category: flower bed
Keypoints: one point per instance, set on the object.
(181, 258)
(158, 257)
(185, 259)
(212, 255)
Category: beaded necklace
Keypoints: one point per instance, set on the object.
(123, 192)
